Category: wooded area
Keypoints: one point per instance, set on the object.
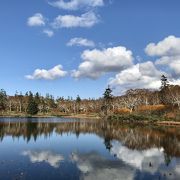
(165, 101)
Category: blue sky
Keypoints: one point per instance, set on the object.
(95, 44)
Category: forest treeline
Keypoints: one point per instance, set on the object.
(166, 101)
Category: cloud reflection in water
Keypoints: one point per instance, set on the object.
(94, 166)
(151, 163)
(148, 161)
(44, 156)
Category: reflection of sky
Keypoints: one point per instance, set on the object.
(44, 156)
(96, 167)
(151, 160)
(139, 159)
(92, 160)
(178, 169)
(31, 119)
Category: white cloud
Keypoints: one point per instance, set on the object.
(169, 52)
(146, 74)
(48, 32)
(76, 4)
(173, 62)
(88, 19)
(98, 62)
(44, 156)
(36, 20)
(80, 42)
(51, 74)
(170, 46)
(141, 75)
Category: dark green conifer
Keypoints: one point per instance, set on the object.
(32, 108)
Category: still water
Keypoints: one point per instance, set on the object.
(65, 149)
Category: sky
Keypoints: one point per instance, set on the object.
(71, 47)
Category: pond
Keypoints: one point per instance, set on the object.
(65, 149)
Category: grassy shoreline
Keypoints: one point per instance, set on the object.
(143, 119)
(78, 116)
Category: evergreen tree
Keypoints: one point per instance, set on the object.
(3, 99)
(108, 94)
(164, 82)
(78, 99)
(37, 98)
(50, 101)
(32, 105)
(107, 97)
(164, 90)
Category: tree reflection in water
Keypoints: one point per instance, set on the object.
(133, 137)
(135, 151)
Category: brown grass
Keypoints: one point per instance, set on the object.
(152, 107)
(122, 111)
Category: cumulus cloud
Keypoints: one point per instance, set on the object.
(170, 46)
(141, 75)
(44, 156)
(147, 74)
(85, 20)
(51, 74)
(98, 62)
(88, 19)
(173, 62)
(76, 4)
(48, 32)
(80, 42)
(36, 20)
(169, 52)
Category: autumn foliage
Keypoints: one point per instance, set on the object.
(164, 102)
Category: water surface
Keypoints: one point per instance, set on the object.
(57, 148)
